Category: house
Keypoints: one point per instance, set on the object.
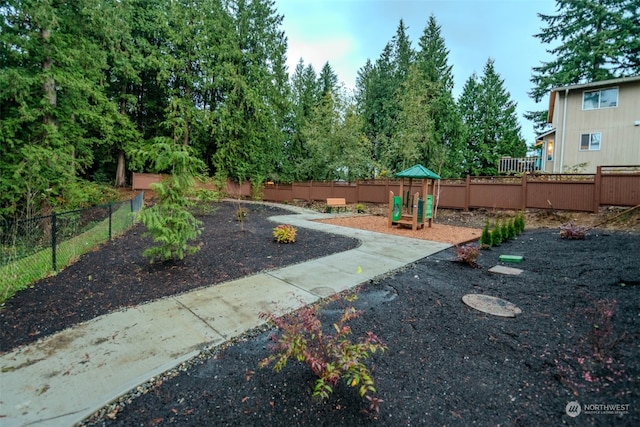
(593, 124)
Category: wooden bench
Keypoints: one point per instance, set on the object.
(336, 202)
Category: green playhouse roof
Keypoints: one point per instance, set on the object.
(418, 172)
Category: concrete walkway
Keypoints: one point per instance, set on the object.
(62, 379)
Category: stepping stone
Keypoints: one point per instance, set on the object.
(501, 269)
(491, 305)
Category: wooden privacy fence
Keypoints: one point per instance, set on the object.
(609, 186)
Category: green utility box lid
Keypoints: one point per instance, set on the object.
(511, 258)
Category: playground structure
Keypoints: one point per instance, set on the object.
(409, 210)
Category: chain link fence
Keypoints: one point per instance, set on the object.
(31, 249)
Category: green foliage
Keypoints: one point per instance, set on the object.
(337, 147)
(519, 222)
(496, 235)
(504, 230)
(284, 233)
(169, 221)
(513, 233)
(592, 40)
(330, 356)
(360, 208)
(241, 214)
(485, 237)
(491, 123)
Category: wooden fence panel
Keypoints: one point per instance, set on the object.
(620, 189)
(578, 192)
(563, 195)
(495, 195)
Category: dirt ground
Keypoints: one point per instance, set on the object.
(576, 340)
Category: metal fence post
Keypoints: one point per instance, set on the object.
(110, 212)
(54, 231)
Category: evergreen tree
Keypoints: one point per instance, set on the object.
(53, 106)
(249, 137)
(413, 139)
(327, 81)
(304, 99)
(169, 221)
(337, 146)
(432, 60)
(491, 123)
(379, 86)
(469, 107)
(591, 40)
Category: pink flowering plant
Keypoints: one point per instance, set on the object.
(331, 356)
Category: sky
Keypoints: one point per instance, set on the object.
(348, 32)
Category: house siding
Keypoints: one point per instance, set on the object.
(620, 138)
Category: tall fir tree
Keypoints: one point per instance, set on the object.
(491, 122)
(432, 59)
(250, 134)
(378, 88)
(54, 110)
(591, 40)
(303, 99)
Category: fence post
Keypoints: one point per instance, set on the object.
(467, 193)
(524, 191)
(54, 231)
(110, 211)
(597, 188)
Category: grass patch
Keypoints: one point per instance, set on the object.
(22, 273)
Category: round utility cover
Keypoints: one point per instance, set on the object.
(491, 305)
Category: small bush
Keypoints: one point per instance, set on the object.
(513, 233)
(572, 231)
(241, 214)
(496, 235)
(485, 237)
(504, 230)
(468, 254)
(519, 223)
(284, 233)
(330, 356)
(360, 208)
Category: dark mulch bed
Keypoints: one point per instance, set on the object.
(446, 364)
(116, 275)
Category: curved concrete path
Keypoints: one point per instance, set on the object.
(62, 379)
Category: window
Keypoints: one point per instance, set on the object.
(590, 141)
(603, 98)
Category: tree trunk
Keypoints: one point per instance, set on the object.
(49, 85)
(121, 176)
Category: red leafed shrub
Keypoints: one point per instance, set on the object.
(468, 254)
(572, 231)
(330, 356)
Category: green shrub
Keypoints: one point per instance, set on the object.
(485, 237)
(496, 235)
(504, 230)
(513, 233)
(169, 221)
(284, 233)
